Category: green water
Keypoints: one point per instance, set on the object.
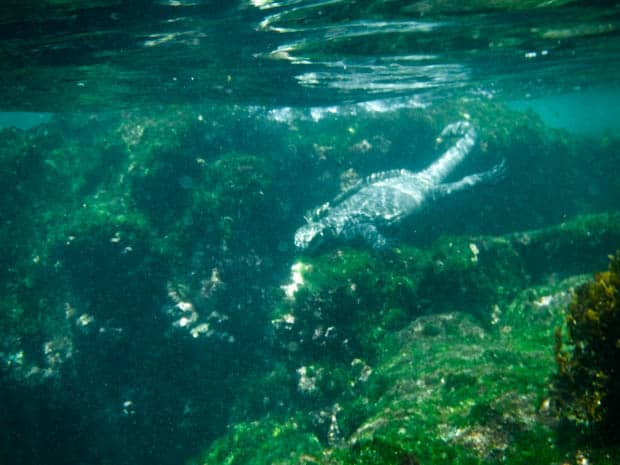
(158, 158)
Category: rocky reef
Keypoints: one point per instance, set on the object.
(154, 308)
(392, 364)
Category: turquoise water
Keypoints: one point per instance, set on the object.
(220, 243)
(566, 111)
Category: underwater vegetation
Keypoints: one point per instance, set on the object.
(154, 308)
(426, 355)
(363, 295)
(588, 382)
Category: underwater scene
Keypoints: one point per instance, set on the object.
(309, 232)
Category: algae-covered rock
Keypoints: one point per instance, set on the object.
(429, 356)
(449, 391)
(111, 264)
(262, 442)
(587, 384)
(342, 303)
(242, 187)
(444, 390)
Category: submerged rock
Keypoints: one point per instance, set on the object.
(588, 380)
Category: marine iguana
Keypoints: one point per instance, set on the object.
(386, 197)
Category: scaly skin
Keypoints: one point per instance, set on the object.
(387, 197)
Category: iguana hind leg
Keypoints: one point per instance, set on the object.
(497, 172)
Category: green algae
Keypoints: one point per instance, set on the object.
(262, 442)
(447, 391)
(445, 379)
(112, 264)
(437, 353)
(366, 291)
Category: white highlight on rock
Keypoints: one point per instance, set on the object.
(200, 329)
(297, 280)
(307, 382)
(85, 319)
(474, 252)
(190, 316)
(544, 301)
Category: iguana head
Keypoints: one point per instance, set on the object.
(306, 234)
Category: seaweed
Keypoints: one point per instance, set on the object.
(587, 386)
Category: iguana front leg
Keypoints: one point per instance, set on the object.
(368, 232)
